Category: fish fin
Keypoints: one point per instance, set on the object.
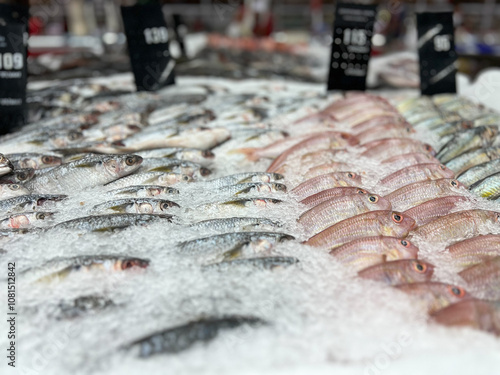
(36, 142)
(384, 258)
(234, 203)
(249, 153)
(120, 208)
(251, 138)
(106, 229)
(245, 180)
(84, 165)
(176, 133)
(161, 169)
(244, 191)
(234, 253)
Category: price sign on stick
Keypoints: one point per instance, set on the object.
(351, 46)
(436, 51)
(13, 76)
(148, 41)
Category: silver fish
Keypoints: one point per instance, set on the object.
(135, 205)
(181, 338)
(5, 165)
(12, 190)
(30, 202)
(87, 172)
(104, 223)
(34, 160)
(236, 224)
(143, 191)
(242, 178)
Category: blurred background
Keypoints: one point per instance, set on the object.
(249, 38)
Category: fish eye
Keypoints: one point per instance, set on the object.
(128, 264)
(442, 167)
(171, 191)
(164, 205)
(397, 218)
(351, 175)
(205, 171)
(344, 136)
(428, 148)
(130, 160)
(275, 201)
(419, 267)
(40, 216)
(185, 178)
(361, 191)
(22, 176)
(373, 198)
(457, 291)
(405, 243)
(46, 159)
(73, 136)
(454, 183)
(15, 187)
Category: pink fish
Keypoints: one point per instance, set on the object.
(398, 272)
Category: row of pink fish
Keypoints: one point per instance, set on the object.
(371, 193)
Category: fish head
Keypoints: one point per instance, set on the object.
(129, 263)
(207, 154)
(24, 174)
(174, 178)
(377, 203)
(428, 149)
(418, 270)
(444, 171)
(453, 185)
(473, 312)
(17, 188)
(400, 224)
(19, 221)
(4, 162)
(50, 160)
(69, 138)
(351, 178)
(203, 172)
(400, 249)
(122, 165)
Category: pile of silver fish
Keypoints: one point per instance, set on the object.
(212, 181)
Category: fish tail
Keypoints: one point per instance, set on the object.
(249, 152)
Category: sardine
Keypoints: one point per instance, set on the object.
(181, 338)
(150, 178)
(61, 268)
(466, 161)
(27, 220)
(18, 176)
(173, 165)
(191, 154)
(241, 178)
(6, 166)
(135, 205)
(144, 191)
(30, 202)
(229, 246)
(268, 263)
(12, 190)
(479, 172)
(467, 140)
(236, 224)
(104, 223)
(33, 160)
(84, 173)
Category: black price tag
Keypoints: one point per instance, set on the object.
(10, 13)
(147, 38)
(351, 46)
(436, 51)
(13, 76)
